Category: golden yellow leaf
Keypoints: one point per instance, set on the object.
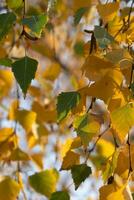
(78, 4)
(6, 80)
(105, 88)
(70, 144)
(9, 189)
(13, 109)
(108, 11)
(5, 133)
(52, 72)
(38, 159)
(43, 114)
(123, 162)
(86, 127)
(70, 159)
(120, 120)
(119, 99)
(110, 192)
(26, 119)
(105, 148)
(96, 67)
(35, 91)
(118, 56)
(19, 155)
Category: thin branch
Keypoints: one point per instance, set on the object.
(98, 138)
(131, 76)
(130, 11)
(94, 145)
(129, 151)
(91, 104)
(115, 141)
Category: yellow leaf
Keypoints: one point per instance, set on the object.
(44, 115)
(95, 67)
(38, 159)
(123, 119)
(35, 91)
(108, 11)
(70, 144)
(52, 72)
(19, 155)
(6, 80)
(105, 88)
(26, 119)
(119, 99)
(78, 4)
(13, 109)
(5, 133)
(86, 127)
(118, 56)
(123, 162)
(70, 159)
(105, 148)
(9, 189)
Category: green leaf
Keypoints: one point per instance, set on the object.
(60, 195)
(79, 48)
(80, 173)
(24, 71)
(66, 102)
(86, 127)
(6, 62)
(102, 36)
(6, 22)
(79, 14)
(14, 4)
(35, 23)
(44, 182)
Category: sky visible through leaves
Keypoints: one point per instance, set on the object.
(66, 100)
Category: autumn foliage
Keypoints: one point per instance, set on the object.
(66, 100)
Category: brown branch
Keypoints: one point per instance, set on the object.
(98, 138)
(130, 11)
(129, 151)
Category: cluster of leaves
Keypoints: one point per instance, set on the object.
(77, 97)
